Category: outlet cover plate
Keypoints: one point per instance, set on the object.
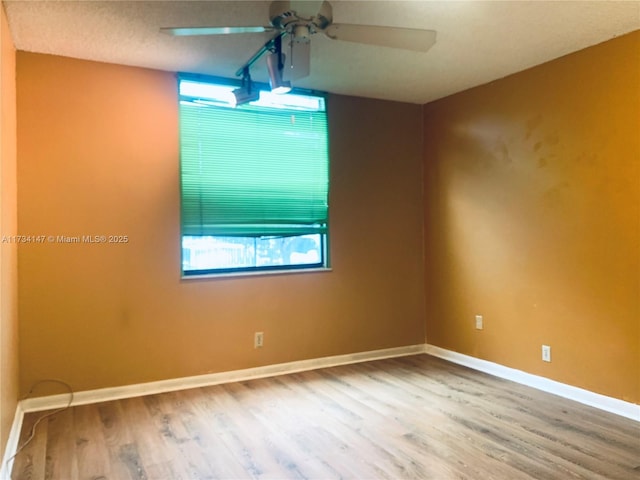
(546, 353)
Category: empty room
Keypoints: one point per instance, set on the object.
(311, 239)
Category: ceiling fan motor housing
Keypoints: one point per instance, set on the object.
(286, 15)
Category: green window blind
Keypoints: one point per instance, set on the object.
(257, 170)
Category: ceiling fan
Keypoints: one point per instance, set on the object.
(299, 20)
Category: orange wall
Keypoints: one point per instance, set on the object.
(8, 227)
(98, 154)
(533, 219)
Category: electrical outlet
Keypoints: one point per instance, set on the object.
(258, 340)
(479, 322)
(546, 353)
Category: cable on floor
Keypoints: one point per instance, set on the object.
(32, 432)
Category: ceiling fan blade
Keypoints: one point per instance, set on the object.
(394, 37)
(188, 31)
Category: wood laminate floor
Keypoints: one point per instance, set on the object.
(415, 417)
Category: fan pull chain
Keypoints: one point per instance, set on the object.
(291, 52)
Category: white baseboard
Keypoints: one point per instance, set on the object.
(137, 390)
(12, 444)
(608, 404)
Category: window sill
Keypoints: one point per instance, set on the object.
(214, 276)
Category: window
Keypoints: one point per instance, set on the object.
(254, 180)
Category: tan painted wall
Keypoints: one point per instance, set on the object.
(8, 227)
(533, 219)
(98, 154)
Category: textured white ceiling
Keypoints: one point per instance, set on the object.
(477, 42)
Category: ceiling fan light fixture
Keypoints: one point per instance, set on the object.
(275, 67)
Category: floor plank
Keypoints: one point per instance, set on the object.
(416, 417)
